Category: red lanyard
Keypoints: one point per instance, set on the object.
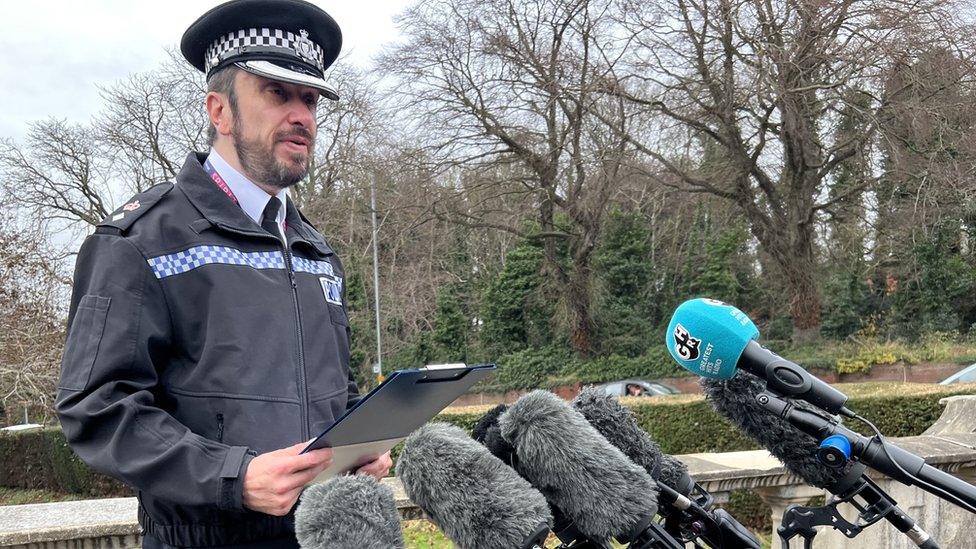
(224, 186)
(219, 180)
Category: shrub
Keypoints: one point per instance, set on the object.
(681, 424)
(42, 459)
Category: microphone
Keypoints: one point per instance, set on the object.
(348, 512)
(487, 432)
(589, 479)
(685, 516)
(617, 424)
(474, 498)
(735, 399)
(840, 444)
(712, 339)
(738, 399)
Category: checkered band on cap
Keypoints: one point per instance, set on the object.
(261, 40)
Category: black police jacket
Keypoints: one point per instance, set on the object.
(196, 340)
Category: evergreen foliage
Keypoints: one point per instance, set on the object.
(719, 276)
(450, 336)
(847, 302)
(937, 294)
(513, 312)
(625, 271)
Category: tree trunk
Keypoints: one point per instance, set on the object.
(580, 313)
(804, 302)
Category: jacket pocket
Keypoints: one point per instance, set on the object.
(338, 315)
(81, 348)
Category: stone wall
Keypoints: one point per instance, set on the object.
(950, 444)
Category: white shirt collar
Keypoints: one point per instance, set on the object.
(250, 197)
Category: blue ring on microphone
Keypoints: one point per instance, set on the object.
(834, 451)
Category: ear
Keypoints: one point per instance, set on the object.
(220, 113)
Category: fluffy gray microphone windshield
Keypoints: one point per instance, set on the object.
(736, 400)
(474, 498)
(618, 425)
(589, 479)
(348, 512)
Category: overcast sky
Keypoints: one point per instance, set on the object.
(55, 53)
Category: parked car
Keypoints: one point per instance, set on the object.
(966, 375)
(637, 387)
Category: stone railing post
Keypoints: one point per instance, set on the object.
(780, 497)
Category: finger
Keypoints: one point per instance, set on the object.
(302, 478)
(308, 460)
(374, 468)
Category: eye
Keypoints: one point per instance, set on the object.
(277, 90)
(311, 99)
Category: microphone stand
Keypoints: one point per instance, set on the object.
(877, 504)
(692, 518)
(648, 534)
(569, 535)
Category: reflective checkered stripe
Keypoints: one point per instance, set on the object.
(198, 256)
(302, 265)
(233, 43)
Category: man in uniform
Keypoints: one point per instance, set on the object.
(208, 340)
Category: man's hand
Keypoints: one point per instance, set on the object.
(378, 468)
(274, 480)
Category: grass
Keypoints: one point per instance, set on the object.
(421, 534)
(20, 496)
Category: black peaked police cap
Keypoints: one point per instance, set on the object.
(286, 40)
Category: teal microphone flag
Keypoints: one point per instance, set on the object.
(707, 337)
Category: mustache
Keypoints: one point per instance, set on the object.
(303, 133)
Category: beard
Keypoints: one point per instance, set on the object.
(260, 163)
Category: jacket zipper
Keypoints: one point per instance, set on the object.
(302, 385)
(302, 388)
(220, 427)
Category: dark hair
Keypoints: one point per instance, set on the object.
(223, 82)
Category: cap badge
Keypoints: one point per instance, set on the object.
(134, 205)
(305, 48)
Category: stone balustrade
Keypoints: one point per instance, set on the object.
(950, 444)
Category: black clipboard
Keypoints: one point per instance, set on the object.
(406, 400)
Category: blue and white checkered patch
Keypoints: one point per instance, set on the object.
(332, 288)
(198, 256)
(302, 265)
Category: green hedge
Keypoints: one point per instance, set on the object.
(686, 424)
(682, 424)
(41, 459)
(549, 367)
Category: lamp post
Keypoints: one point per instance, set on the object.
(378, 367)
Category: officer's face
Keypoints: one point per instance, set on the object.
(274, 129)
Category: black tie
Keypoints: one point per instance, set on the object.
(269, 219)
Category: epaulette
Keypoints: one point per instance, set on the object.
(123, 217)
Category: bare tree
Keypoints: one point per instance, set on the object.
(762, 83)
(506, 83)
(151, 121)
(73, 174)
(57, 175)
(33, 302)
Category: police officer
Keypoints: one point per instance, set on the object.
(208, 339)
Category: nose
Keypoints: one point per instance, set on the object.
(301, 114)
